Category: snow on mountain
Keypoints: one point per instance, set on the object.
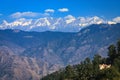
(19, 22)
(69, 19)
(111, 22)
(67, 23)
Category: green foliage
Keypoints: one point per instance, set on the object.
(112, 53)
(118, 47)
(69, 72)
(90, 70)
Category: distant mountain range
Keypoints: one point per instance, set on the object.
(32, 55)
(66, 24)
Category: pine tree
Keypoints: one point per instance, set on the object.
(69, 72)
(118, 47)
(112, 53)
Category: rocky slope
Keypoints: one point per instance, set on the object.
(32, 55)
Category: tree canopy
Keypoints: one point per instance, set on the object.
(90, 69)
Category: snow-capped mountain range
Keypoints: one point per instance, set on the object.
(66, 24)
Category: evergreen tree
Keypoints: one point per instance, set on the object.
(96, 61)
(69, 72)
(112, 53)
(118, 47)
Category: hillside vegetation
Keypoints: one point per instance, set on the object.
(97, 69)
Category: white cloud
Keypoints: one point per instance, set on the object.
(27, 14)
(50, 10)
(63, 10)
(117, 20)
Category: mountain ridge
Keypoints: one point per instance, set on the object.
(50, 51)
(66, 24)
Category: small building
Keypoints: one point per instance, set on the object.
(104, 66)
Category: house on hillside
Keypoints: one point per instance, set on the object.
(104, 66)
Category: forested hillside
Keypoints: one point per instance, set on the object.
(97, 69)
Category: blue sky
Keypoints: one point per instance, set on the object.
(104, 8)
